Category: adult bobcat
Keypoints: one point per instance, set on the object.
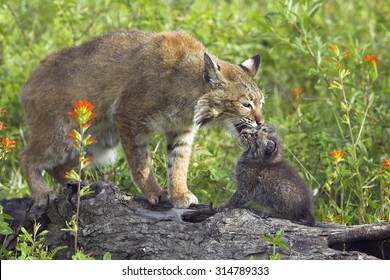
(141, 83)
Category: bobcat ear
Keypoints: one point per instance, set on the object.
(251, 65)
(211, 70)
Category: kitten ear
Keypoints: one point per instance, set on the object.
(211, 70)
(271, 147)
(251, 65)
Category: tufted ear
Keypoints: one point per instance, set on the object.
(211, 70)
(251, 65)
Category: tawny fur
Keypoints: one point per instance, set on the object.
(141, 83)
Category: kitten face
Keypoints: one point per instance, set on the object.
(263, 143)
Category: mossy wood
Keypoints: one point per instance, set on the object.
(130, 228)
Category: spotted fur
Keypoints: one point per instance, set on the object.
(141, 83)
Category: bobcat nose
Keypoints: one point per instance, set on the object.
(259, 120)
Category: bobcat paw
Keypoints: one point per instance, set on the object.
(40, 204)
(156, 197)
(183, 200)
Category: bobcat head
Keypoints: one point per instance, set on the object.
(263, 144)
(232, 94)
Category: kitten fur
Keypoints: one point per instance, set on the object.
(266, 179)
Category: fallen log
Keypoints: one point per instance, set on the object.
(129, 227)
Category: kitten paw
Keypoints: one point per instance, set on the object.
(183, 200)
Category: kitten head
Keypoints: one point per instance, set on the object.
(263, 144)
(231, 94)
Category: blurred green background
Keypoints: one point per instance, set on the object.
(293, 38)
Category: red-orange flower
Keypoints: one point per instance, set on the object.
(82, 108)
(298, 90)
(74, 114)
(347, 53)
(386, 162)
(298, 95)
(71, 134)
(84, 104)
(337, 155)
(87, 160)
(371, 59)
(91, 141)
(82, 113)
(8, 143)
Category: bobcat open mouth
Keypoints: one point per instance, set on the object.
(242, 128)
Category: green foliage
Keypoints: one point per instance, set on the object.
(30, 246)
(276, 241)
(4, 226)
(80, 256)
(293, 37)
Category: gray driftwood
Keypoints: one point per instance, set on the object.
(130, 228)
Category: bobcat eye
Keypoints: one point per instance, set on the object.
(248, 104)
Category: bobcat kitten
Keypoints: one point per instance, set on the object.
(264, 178)
(141, 83)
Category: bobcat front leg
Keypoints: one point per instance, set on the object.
(135, 147)
(179, 148)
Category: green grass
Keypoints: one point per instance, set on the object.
(293, 38)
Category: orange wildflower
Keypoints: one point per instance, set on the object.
(82, 108)
(386, 162)
(71, 134)
(8, 143)
(337, 155)
(91, 141)
(298, 95)
(297, 90)
(371, 59)
(87, 160)
(347, 53)
(84, 104)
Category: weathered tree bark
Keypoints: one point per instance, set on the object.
(130, 228)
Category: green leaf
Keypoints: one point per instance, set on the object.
(5, 229)
(279, 234)
(73, 175)
(7, 217)
(107, 256)
(275, 257)
(282, 244)
(373, 71)
(27, 235)
(268, 238)
(85, 191)
(80, 255)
